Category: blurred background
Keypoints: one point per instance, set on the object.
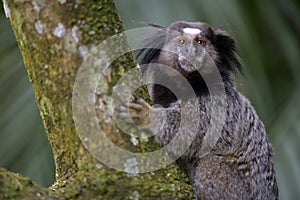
(267, 34)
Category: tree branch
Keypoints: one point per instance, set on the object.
(53, 37)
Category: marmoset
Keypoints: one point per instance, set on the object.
(238, 165)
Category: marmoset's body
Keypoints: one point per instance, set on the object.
(239, 164)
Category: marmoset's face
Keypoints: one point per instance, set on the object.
(190, 46)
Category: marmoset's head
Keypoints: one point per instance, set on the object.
(190, 47)
(193, 49)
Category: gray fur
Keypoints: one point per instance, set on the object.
(240, 164)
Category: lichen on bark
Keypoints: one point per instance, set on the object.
(53, 37)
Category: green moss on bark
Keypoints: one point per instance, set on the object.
(14, 186)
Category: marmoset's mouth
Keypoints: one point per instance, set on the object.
(185, 64)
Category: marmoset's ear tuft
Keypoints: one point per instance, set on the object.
(152, 45)
(150, 24)
(226, 49)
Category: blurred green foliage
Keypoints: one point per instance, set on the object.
(267, 34)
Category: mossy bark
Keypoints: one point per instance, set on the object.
(50, 35)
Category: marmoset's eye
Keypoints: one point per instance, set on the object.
(181, 41)
(200, 41)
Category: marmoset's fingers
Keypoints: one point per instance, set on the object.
(143, 103)
(135, 115)
(136, 106)
(125, 112)
(123, 115)
(121, 108)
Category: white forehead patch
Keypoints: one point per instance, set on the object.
(193, 31)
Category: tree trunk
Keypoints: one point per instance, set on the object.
(53, 37)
